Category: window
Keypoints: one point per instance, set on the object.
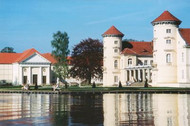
(115, 64)
(44, 80)
(115, 50)
(115, 42)
(168, 30)
(168, 58)
(145, 62)
(182, 57)
(130, 62)
(151, 62)
(168, 41)
(115, 79)
(25, 79)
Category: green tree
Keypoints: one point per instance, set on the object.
(8, 50)
(60, 52)
(87, 59)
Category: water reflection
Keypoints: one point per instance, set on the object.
(125, 109)
(107, 109)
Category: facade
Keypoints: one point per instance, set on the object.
(31, 67)
(28, 67)
(162, 62)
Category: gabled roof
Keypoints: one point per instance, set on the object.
(9, 58)
(26, 54)
(185, 34)
(166, 16)
(49, 57)
(113, 31)
(138, 48)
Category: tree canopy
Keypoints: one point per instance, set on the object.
(87, 58)
(60, 52)
(8, 50)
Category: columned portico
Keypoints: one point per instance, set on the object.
(140, 73)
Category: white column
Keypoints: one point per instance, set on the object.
(126, 76)
(48, 75)
(139, 74)
(144, 72)
(148, 75)
(40, 76)
(134, 74)
(29, 76)
(129, 75)
(20, 75)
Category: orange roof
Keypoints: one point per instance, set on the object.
(8, 58)
(49, 57)
(138, 48)
(166, 16)
(185, 34)
(113, 31)
(26, 54)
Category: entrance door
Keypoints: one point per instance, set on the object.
(44, 80)
(35, 79)
(25, 79)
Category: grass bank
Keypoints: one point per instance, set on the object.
(99, 89)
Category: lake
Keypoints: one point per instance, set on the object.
(96, 110)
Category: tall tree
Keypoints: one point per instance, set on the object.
(8, 50)
(60, 52)
(87, 59)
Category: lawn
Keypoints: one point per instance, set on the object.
(97, 89)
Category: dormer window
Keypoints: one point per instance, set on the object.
(130, 62)
(145, 62)
(168, 31)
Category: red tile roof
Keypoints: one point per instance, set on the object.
(166, 16)
(26, 54)
(113, 31)
(8, 58)
(49, 57)
(185, 34)
(138, 48)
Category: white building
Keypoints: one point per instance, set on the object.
(32, 67)
(163, 62)
(27, 67)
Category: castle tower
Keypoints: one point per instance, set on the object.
(165, 29)
(112, 41)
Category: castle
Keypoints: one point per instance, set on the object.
(162, 62)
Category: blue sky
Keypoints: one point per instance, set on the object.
(28, 24)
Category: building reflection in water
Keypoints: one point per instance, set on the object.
(90, 109)
(128, 109)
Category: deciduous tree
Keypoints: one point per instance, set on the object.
(8, 50)
(87, 59)
(60, 52)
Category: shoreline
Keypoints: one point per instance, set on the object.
(147, 91)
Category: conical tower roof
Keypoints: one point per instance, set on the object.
(166, 16)
(113, 31)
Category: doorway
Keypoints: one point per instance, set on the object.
(35, 79)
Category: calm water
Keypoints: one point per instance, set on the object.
(107, 109)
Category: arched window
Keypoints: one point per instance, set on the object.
(115, 64)
(130, 62)
(168, 58)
